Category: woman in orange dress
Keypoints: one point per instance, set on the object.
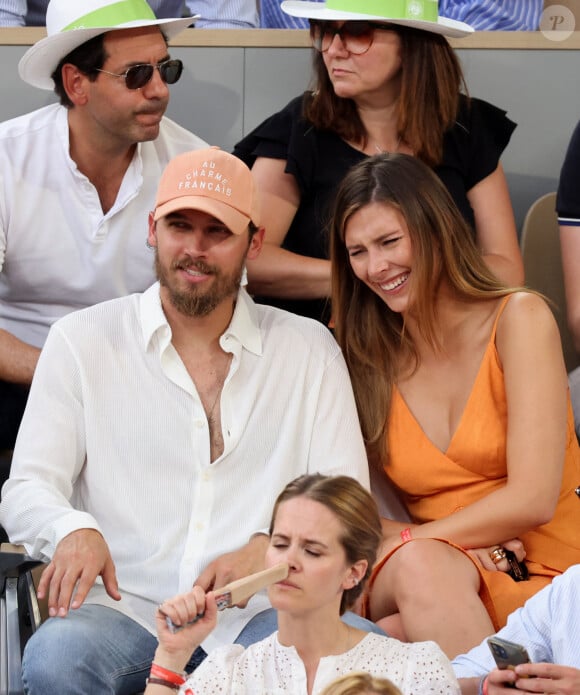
(462, 393)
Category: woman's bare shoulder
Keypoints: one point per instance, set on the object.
(526, 317)
(524, 304)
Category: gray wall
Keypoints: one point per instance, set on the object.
(540, 89)
(225, 91)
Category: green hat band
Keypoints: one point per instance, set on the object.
(112, 15)
(425, 10)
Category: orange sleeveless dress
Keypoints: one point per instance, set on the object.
(435, 484)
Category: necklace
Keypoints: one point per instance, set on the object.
(380, 150)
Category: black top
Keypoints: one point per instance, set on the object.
(319, 159)
(568, 199)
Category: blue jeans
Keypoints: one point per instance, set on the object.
(93, 651)
(99, 651)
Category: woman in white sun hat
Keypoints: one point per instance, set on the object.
(386, 79)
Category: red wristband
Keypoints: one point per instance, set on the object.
(167, 675)
(484, 686)
(406, 535)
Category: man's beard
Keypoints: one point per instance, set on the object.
(196, 301)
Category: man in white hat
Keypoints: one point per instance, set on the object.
(159, 431)
(77, 179)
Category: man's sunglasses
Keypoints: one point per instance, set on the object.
(138, 76)
(356, 35)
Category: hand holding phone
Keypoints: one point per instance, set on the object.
(507, 654)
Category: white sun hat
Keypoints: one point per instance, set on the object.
(70, 23)
(418, 14)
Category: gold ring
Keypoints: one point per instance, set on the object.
(497, 555)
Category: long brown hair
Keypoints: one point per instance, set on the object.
(356, 511)
(372, 337)
(431, 82)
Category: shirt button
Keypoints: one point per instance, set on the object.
(199, 424)
(205, 477)
(199, 526)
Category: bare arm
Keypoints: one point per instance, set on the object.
(495, 228)
(529, 348)
(17, 359)
(570, 245)
(469, 686)
(277, 272)
(176, 648)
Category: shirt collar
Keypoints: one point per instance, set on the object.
(152, 316)
(244, 328)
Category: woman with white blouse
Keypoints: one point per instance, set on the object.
(327, 529)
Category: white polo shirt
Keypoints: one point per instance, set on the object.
(58, 251)
(115, 437)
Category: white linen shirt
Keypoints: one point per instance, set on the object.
(58, 251)
(225, 14)
(215, 14)
(487, 15)
(115, 438)
(269, 668)
(547, 625)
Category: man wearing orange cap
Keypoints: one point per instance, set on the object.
(159, 430)
(78, 178)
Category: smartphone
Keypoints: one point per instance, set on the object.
(507, 654)
(518, 571)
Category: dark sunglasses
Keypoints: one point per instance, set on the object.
(138, 76)
(356, 35)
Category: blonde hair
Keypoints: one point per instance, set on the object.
(361, 684)
(372, 337)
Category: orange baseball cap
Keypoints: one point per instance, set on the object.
(212, 181)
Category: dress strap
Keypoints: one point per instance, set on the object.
(502, 306)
